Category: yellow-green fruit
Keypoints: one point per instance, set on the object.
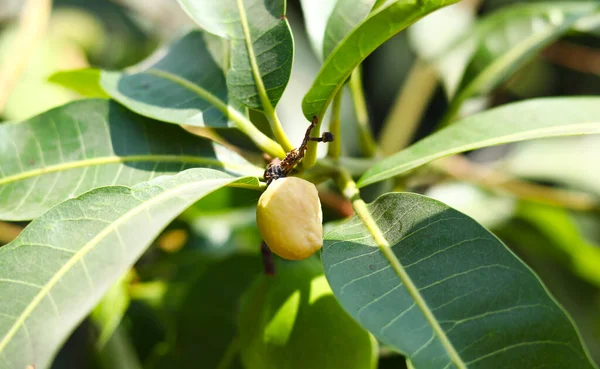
(289, 218)
(292, 321)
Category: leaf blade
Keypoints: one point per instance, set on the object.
(384, 22)
(261, 46)
(91, 143)
(87, 258)
(467, 279)
(536, 118)
(203, 101)
(84, 81)
(510, 38)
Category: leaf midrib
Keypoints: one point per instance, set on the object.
(45, 290)
(260, 86)
(364, 215)
(186, 159)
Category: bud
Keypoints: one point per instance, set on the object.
(289, 218)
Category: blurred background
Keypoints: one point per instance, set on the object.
(179, 303)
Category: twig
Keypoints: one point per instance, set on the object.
(32, 27)
(577, 57)
(367, 142)
(405, 115)
(463, 169)
(9, 232)
(334, 201)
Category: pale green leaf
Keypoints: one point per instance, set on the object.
(85, 81)
(291, 320)
(449, 294)
(91, 143)
(386, 20)
(261, 45)
(60, 266)
(109, 312)
(536, 118)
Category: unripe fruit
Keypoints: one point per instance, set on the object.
(289, 218)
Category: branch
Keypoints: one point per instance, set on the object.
(463, 169)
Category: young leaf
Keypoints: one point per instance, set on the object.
(449, 294)
(91, 143)
(385, 21)
(262, 47)
(536, 118)
(510, 38)
(183, 85)
(55, 272)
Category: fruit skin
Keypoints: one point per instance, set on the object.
(289, 218)
(292, 321)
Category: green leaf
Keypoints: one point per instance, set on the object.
(385, 21)
(109, 312)
(119, 353)
(54, 273)
(292, 321)
(91, 143)
(85, 81)
(329, 22)
(183, 84)
(566, 239)
(262, 48)
(536, 118)
(346, 15)
(510, 38)
(206, 329)
(448, 294)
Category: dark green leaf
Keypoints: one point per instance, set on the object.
(206, 323)
(60, 266)
(261, 45)
(386, 20)
(183, 85)
(449, 294)
(91, 143)
(547, 117)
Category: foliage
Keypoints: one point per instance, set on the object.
(138, 201)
